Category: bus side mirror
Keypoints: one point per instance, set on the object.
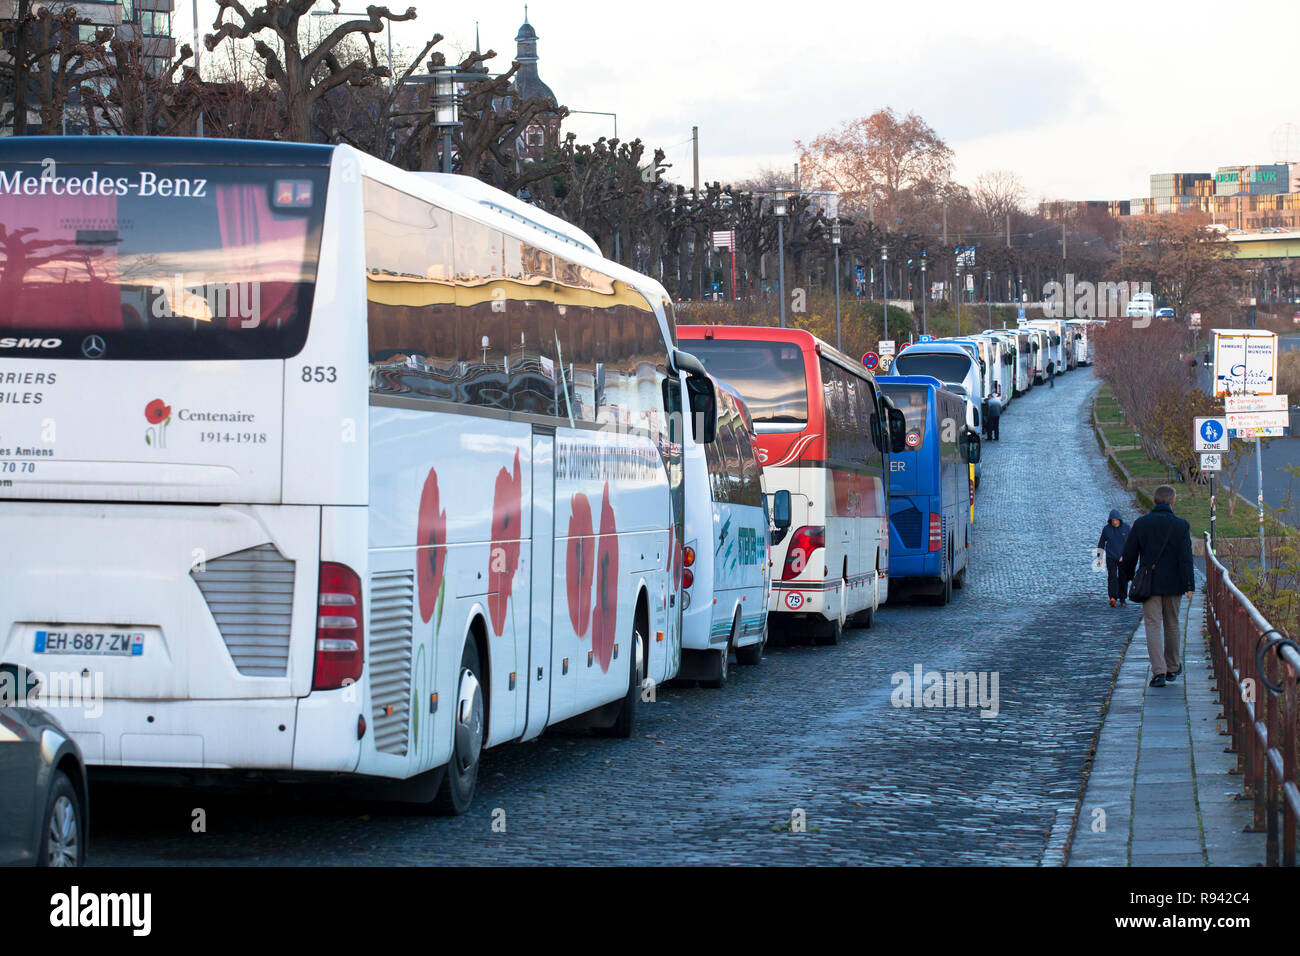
(971, 447)
(781, 511)
(897, 430)
(704, 407)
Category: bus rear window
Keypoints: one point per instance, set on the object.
(911, 401)
(945, 366)
(769, 376)
(167, 262)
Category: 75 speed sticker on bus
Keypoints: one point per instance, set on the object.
(88, 641)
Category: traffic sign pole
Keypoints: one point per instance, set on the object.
(1213, 530)
(1259, 489)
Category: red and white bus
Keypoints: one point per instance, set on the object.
(818, 417)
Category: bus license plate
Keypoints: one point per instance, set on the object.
(89, 641)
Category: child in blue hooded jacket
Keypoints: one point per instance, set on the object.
(1111, 542)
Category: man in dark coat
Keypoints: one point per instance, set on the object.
(992, 415)
(1163, 541)
(1111, 544)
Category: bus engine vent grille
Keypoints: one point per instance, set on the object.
(392, 604)
(907, 525)
(250, 595)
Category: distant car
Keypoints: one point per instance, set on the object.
(1296, 318)
(1164, 313)
(44, 803)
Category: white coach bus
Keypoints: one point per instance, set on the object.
(326, 467)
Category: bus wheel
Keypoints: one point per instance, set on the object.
(636, 666)
(722, 662)
(827, 633)
(467, 742)
(752, 654)
(863, 619)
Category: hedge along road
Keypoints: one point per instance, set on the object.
(717, 776)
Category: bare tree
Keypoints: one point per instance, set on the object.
(304, 76)
(874, 161)
(998, 194)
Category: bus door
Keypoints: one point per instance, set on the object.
(537, 680)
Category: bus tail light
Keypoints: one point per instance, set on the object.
(339, 627)
(688, 578)
(936, 531)
(802, 545)
(688, 556)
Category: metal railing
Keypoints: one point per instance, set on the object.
(1256, 667)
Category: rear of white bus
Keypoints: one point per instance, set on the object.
(183, 448)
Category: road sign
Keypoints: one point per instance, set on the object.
(1249, 433)
(1212, 462)
(871, 360)
(887, 347)
(1210, 434)
(1020, 313)
(926, 338)
(724, 238)
(903, 345)
(1254, 403)
(885, 362)
(1245, 361)
(1251, 421)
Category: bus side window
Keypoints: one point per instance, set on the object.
(718, 486)
(412, 328)
(480, 269)
(751, 490)
(730, 424)
(528, 296)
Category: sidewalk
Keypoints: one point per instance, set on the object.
(1159, 793)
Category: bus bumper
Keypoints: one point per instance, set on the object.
(257, 734)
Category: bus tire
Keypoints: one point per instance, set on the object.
(863, 619)
(752, 654)
(625, 722)
(722, 665)
(827, 633)
(469, 730)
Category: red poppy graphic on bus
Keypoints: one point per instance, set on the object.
(580, 564)
(431, 540)
(503, 561)
(158, 414)
(604, 618)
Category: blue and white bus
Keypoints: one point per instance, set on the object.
(930, 492)
(728, 555)
(326, 467)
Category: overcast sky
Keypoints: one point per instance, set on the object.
(1082, 101)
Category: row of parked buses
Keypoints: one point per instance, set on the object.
(320, 469)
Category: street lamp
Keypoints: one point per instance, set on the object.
(835, 241)
(925, 292)
(444, 107)
(988, 291)
(884, 276)
(388, 29)
(779, 210)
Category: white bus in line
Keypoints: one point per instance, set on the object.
(385, 472)
(725, 584)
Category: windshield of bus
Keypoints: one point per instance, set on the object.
(168, 262)
(769, 375)
(945, 366)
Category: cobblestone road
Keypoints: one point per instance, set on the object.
(713, 777)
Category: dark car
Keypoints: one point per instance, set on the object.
(44, 801)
